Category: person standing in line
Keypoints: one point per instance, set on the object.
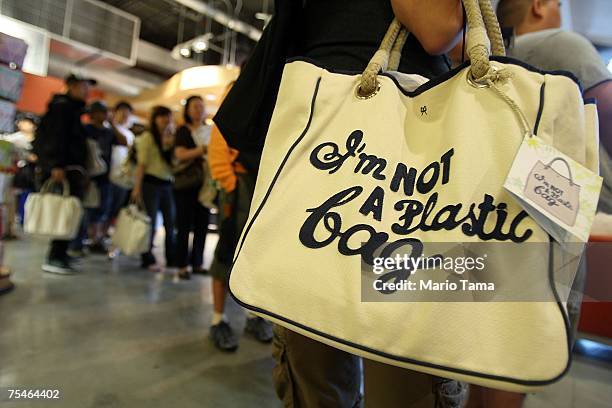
(106, 139)
(535, 37)
(190, 150)
(23, 182)
(237, 187)
(61, 148)
(121, 125)
(154, 178)
(9, 157)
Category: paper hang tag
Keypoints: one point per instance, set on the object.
(559, 193)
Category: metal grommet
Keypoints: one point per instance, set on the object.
(476, 83)
(371, 95)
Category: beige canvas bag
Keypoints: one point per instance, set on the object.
(345, 154)
(54, 215)
(132, 231)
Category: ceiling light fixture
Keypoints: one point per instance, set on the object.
(200, 46)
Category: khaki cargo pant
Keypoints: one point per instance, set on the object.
(309, 374)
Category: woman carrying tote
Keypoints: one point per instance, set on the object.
(154, 177)
(190, 150)
(344, 38)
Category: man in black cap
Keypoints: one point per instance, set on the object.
(62, 152)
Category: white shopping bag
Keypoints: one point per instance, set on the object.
(132, 231)
(53, 215)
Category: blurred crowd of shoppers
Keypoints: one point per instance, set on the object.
(179, 175)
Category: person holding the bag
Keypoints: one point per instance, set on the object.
(154, 178)
(190, 151)
(61, 148)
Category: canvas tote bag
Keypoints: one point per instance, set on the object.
(132, 231)
(96, 166)
(53, 215)
(352, 160)
(124, 174)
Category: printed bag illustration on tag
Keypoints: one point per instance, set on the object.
(553, 192)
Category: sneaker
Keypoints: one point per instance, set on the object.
(76, 253)
(98, 248)
(259, 328)
(147, 260)
(58, 266)
(200, 271)
(223, 337)
(184, 275)
(113, 253)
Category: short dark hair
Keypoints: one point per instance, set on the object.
(186, 110)
(26, 117)
(124, 105)
(512, 13)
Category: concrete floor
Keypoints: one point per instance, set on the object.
(116, 336)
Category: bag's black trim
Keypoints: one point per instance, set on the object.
(540, 109)
(566, 321)
(534, 383)
(441, 78)
(590, 101)
(280, 168)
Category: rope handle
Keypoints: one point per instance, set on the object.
(482, 23)
(137, 204)
(569, 169)
(396, 52)
(483, 34)
(46, 187)
(380, 60)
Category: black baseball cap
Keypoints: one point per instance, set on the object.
(74, 78)
(98, 106)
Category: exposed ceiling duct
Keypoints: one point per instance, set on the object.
(87, 31)
(222, 18)
(124, 83)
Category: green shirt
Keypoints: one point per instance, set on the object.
(149, 156)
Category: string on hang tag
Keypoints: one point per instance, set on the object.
(503, 76)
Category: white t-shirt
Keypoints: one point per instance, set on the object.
(120, 153)
(19, 139)
(201, 136)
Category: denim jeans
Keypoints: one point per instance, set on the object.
(191, 216)
(157, 196)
